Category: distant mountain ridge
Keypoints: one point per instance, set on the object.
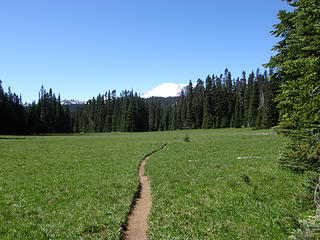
(165, 90)
(72, 102)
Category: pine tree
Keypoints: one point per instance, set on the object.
(130, 121)
(116, 117)
(189, 121)
(237, 121)
(252, 98)
(242, 99)
(297, 66)
(272, 111)
(208, 105)
(180, 111)
(151, 117)
(157, 117)
(229, 106)
(197, 104)
(220, 103)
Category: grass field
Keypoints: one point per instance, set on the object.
(69, 187)
(81, 187)
(223, 184)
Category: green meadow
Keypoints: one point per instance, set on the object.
(220, 184)
(223, 184)
(69, 187)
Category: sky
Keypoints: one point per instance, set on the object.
(81, 48)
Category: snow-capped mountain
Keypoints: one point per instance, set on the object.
(72, 102)
(166, 90)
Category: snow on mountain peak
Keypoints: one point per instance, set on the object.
(72, 102)
(165, 90)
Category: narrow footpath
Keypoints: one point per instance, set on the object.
(137, 221)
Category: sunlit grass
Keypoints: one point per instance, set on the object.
(223, 184)
(69, 187)
(220, 184)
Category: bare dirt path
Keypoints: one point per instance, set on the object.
(137, 221)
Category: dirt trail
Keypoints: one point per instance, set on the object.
(137, 221)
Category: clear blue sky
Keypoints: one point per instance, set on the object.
(84, 47)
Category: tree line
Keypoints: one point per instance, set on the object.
(46, 116)
(219, 102)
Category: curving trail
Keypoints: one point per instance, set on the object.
(137, 221)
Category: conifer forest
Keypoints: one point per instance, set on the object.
(218, 102)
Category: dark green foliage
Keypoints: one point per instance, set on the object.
(51, 116)
(47, 116)
(189, 122)
(128, 113)
(186, 138)
(164, 101)
(246, 179)
(224, 103)
(297, 68)
(237, 113)
(208, 105)
(197, 104)
(12, 113)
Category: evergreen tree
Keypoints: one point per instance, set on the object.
(116, 117)
(237, 120)
(242, 98)
(252, 96)
(180, 111)
(297, 66)
(220, 102)
(151, 117)
(130, 115)
(197, 103)
(208, 104)
(229, 106)
(189, 120)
